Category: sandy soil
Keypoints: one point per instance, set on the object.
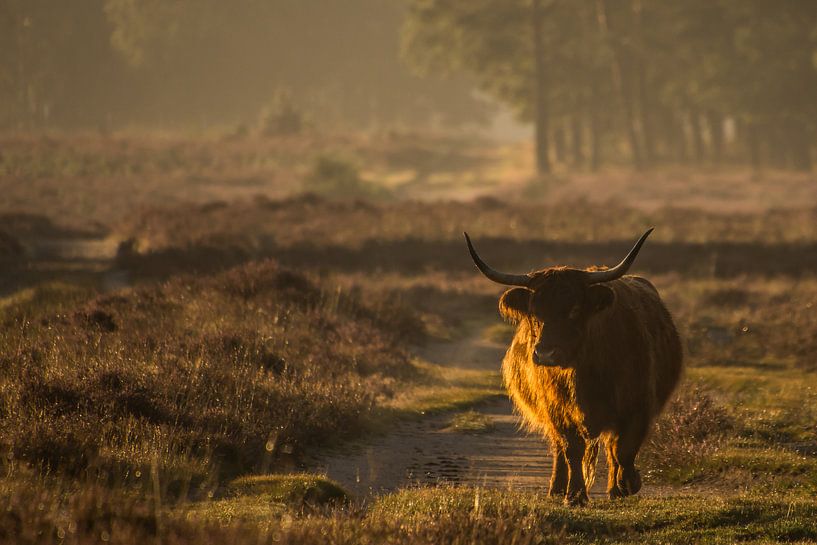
(428, 452)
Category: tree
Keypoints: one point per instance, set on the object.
(511, 48)
(673, 72)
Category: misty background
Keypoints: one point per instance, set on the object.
(641, 81)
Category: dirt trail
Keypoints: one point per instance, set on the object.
(428, 451)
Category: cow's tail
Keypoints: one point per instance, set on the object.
(591, 455)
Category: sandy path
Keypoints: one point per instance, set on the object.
(428, 451)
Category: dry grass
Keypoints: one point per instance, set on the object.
(125, 416)
(690, 431)
(314, 220)
(747, 321)
(88, 178)
(201, 377)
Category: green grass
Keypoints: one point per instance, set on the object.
(261, 498)
(290, 489)
(474, 515)
(500, 332)
(470, 421)
(444, 388)
(680, 519)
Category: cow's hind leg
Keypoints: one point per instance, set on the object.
(627, 444)
(576, 489)
(558, 479)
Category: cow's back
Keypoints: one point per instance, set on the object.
(634, 347)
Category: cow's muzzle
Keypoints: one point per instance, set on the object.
(547, 357)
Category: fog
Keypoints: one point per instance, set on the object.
(598, 80)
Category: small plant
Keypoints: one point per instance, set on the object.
(334, 176)
(281, 117)
(298, 490)
(691, 430)
(471, 422)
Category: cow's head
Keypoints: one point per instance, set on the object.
(557, 302)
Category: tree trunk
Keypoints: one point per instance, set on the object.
(800, 152)
(595, 132)
(697, 136)
(629, 116)
(640, 74)
(577, 140)
(673, 136)
(753, 142)
(622, 83)
(777, 153)
(540, 98)
(715, 122)
(682, 146)
(560, 143)
(647, 132)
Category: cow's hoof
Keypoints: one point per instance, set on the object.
(615, 493)
(634, 482)
(630, 482)
(576, 499)
(557, 492)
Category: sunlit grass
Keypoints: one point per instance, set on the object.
(680, 519)
(443, 388)
(500, 332)
(471, 422)
(264, 499)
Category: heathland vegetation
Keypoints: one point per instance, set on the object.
(231, 245)
(173, 388)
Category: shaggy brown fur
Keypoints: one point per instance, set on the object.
(589, 365)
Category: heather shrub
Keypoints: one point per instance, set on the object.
(690, 430)
(227, 373)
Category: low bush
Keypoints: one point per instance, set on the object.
(223, 374)
(691, 429)
(336, 177)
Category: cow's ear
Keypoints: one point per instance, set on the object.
(514, 304)
(599, 297)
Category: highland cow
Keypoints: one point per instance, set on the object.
(594, 359)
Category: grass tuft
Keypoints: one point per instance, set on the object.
(471, 422)
(298, 490)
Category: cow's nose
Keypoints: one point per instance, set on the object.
(543, 356)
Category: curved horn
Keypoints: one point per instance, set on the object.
(496, 276)
(595, 277)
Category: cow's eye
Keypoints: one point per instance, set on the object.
(574, 312)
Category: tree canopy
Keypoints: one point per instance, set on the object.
(673, 80)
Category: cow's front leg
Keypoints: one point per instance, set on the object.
(613, 491)
(576, 489)
(627, 445)
(558, 479)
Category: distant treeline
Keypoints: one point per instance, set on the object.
(652, 80)
(168, 63)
